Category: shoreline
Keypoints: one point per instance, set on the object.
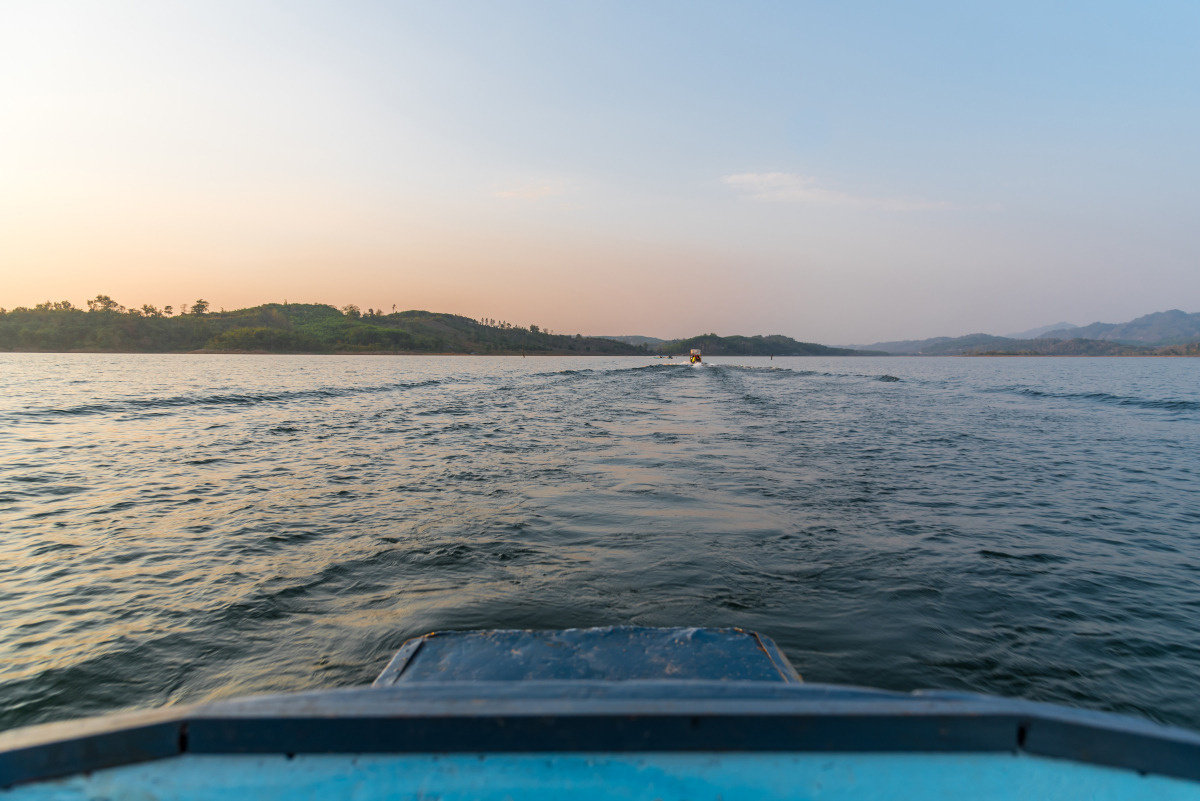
(595, 355)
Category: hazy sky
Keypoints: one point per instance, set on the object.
(836, 171)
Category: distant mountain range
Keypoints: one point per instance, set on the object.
(1172, 327)
(1033, 333)
(1162, 333)
(319, 328)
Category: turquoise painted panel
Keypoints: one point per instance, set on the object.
(669, 777)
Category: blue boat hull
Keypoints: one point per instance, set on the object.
(624, 712)
(665, 776)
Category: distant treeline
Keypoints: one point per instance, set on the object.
(106, 325)
(773, 345)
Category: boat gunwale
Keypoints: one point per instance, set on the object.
(591, 716)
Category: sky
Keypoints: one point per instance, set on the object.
(840, 172)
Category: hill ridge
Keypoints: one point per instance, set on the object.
(107, 326)
(1144, 335)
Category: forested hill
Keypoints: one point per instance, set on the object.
(278, 328)
(774, 345)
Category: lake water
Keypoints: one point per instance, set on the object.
(183, 528)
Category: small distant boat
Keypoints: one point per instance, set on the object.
(695, 356)
(625, 712)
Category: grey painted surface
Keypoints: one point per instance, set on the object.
(411, 715)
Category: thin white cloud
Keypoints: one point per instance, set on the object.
(787, 187)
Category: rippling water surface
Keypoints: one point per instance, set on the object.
(183, 528)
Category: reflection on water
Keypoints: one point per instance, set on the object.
(181, 528)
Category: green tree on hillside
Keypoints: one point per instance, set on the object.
(103, 303)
